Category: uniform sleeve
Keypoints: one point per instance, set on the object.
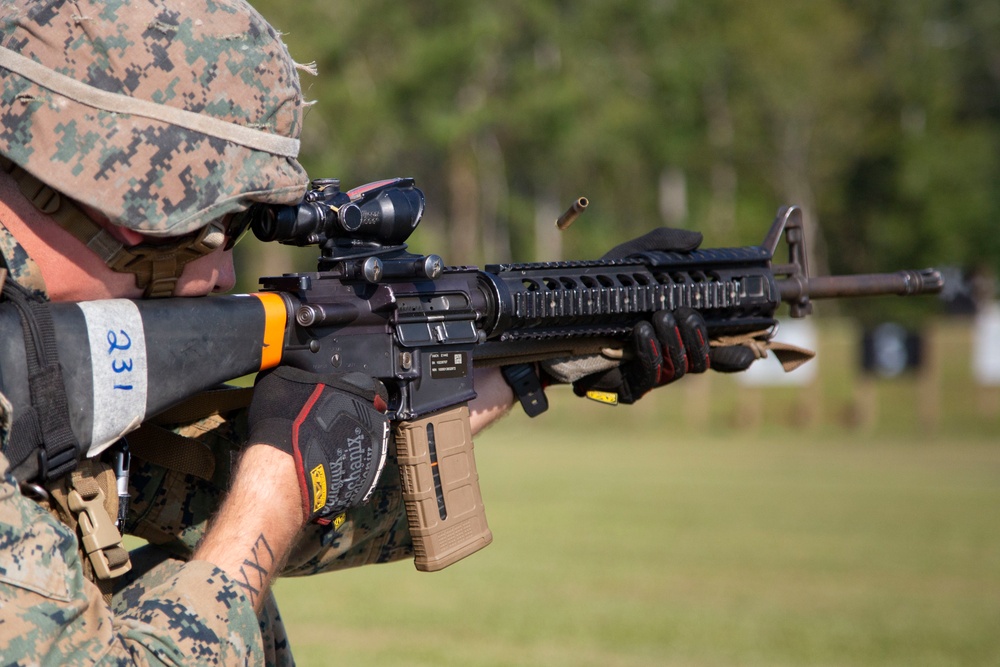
(187, 614)
(50, 614)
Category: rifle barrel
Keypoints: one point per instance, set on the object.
(902, 283)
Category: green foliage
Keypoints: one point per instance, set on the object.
(881, 117)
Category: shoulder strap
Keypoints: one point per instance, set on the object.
(86, 501)
(42, 445)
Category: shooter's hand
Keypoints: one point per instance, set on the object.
(662, 351)
(335, 428)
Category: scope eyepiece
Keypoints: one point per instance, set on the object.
(288, 224)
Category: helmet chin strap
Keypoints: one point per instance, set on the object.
(156, 267)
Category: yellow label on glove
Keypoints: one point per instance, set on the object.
(608, 397)
(318, 475)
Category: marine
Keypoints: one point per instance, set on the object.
(134, 133)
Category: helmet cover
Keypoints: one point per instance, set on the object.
(161, 115)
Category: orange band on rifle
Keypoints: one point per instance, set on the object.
(275, 318)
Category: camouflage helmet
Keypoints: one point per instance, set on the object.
(163, 116)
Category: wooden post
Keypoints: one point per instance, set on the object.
(928, 400)
(865, 408)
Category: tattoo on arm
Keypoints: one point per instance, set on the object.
(255, 572)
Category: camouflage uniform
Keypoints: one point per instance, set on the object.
(156, 166)
(50, 614)
(41, 573)
(160, 608)
(170, 509)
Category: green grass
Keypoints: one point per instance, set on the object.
(622, 538)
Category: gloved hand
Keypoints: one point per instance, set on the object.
(661, 351)
(333, 425)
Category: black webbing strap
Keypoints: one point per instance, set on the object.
(42, 446)
(523, 380)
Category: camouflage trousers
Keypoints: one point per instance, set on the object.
(173, 614)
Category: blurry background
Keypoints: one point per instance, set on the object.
(847, 516)
(880, 118)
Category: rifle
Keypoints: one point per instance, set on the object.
(409, 320)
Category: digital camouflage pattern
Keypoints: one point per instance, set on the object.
(161, 608)
(164, 180)
(218, 58)
(51, 615)
(20, 268)
(171, 510)
(151, 564)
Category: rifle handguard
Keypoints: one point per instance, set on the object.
(444, 506)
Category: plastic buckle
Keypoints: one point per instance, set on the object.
(99, 533)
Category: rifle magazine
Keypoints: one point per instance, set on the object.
(444, 506)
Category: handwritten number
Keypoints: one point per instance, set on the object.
(124, 366)
(120, 365)
(113, 341)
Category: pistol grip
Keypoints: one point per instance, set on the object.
(444, 506)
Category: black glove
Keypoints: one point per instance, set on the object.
(663, 351)
(668, 347)
(333, 425)
(662, 238)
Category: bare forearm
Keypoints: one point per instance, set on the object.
(258, 522)
(261, 516)
(494, 399)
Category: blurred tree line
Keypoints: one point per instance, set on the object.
(881, 118)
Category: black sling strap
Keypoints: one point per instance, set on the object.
(42, 446)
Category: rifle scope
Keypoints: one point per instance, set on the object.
(383, 212)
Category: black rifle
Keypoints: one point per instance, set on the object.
(409, 320)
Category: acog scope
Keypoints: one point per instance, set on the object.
(382, 213)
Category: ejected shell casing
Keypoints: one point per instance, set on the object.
(572, 213)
